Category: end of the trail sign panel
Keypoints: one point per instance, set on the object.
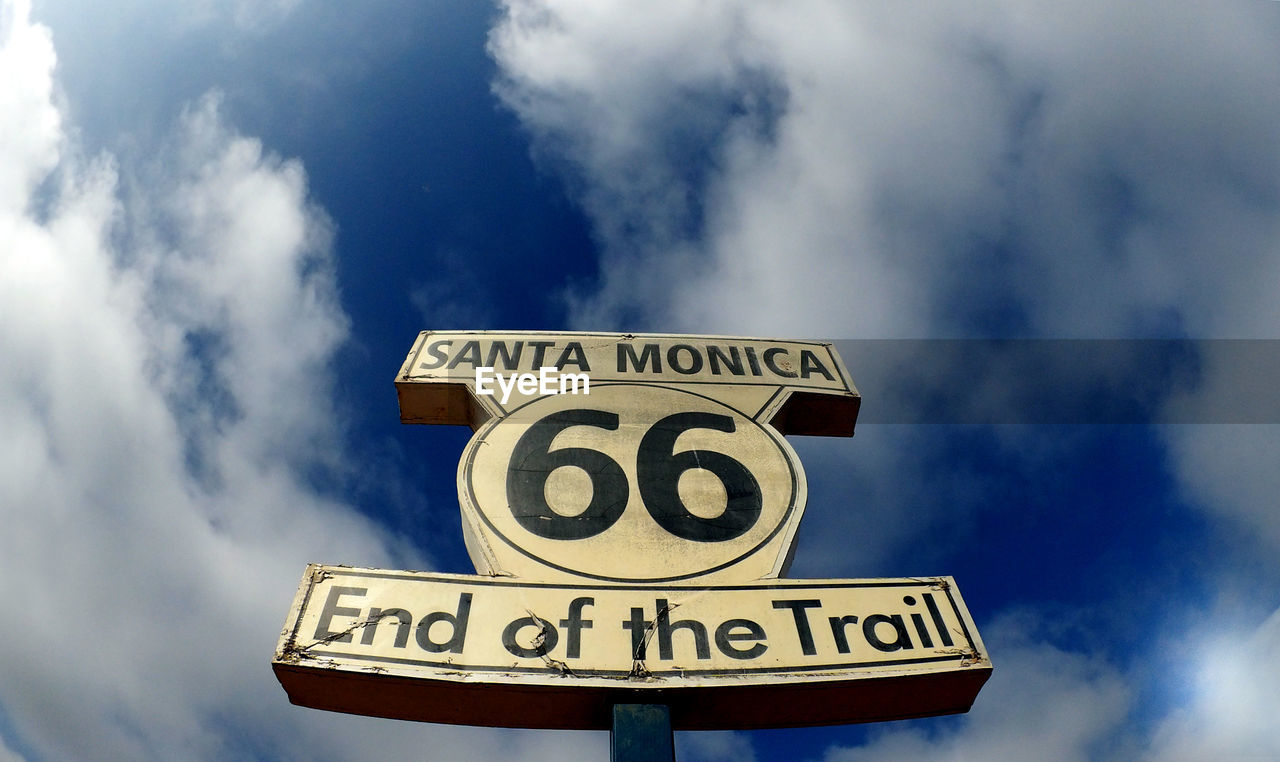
(505, 652)
(630, 503)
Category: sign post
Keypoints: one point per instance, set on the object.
(630, 504)
(641, 733)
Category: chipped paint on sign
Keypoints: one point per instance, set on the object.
(836, 636)
(631, 538)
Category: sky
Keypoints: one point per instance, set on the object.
(222, 224)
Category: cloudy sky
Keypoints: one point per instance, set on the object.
(223, 222)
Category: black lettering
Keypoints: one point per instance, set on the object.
(725, 636)
(838, 623)
(809, 363)
(575, 624)
(543, 642)
(648, 356)
(510, 360)
(666, 627)
(715, 355)
(332, 609)
(769, 362)
(639, 627)
(802, 621)
(532, 462)
(925, 640)
(937, 620)
(402, 626)
(658, 472)
(579, 357)
(673, 359)
(540, 351)
(752, 361)
(458, 622)
(903, 640)
(469, 353)
(438, 350)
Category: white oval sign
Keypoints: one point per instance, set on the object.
(634, 483)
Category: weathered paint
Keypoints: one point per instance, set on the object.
(630, 537)
(478, 650)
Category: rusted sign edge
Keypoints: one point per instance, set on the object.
(968, 655)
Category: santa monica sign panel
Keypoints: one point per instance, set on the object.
(630, 503)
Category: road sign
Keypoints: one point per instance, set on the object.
(629, 502)
(503, 652)
(639, 484)
(799, 387)
(667, 464)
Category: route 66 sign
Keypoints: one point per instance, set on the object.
(630, 503)
(643, 484)
(667, 468)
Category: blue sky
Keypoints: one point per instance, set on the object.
(222, 225)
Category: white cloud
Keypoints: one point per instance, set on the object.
(1229, 471)
(1232, 714)
(714, 746)
(1227, 466)
(7, 754)
(891, 494)
(29, 123)
(886, 171)
(841, 170)
(167, 332)
(1041, 702)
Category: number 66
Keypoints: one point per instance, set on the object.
(658, 471)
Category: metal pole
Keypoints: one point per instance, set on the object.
(641, 733)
